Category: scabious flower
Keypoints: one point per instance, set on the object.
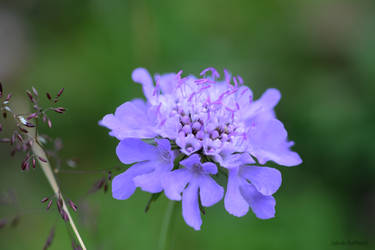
(213, 127)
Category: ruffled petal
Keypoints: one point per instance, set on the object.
(269, 142)
(131, 119)
(190, 206)
(262, 108)
(123, 186)
(167, 82)
(234, 203)
(132, 150)
(175, 182)
(266, 180)
(283, 156)
(269, 99)
(210, 192)
(262, 206)
(141, 75)
(150, 182)
(234, 160)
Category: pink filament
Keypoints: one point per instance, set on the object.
(215, 74)
(191, 96)
(157, 86)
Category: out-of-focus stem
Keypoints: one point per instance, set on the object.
(165, 228)
(46, 167)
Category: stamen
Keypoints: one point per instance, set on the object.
(163, 122)
(227, 76)
(203, 88)
(240, 80)
(157, 86)
(218, 101)
(250, 97)
(191, 96)
(233, 91)
(208, 100)
(215, 74)
(158, 109)
(181, 81)
(232, 111)
(178, 75)
(238, 106)
(244, 91)
(229, 109)
(201, 81)
(235, 82)
(244, 136)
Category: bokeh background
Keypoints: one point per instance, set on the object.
(319, 53)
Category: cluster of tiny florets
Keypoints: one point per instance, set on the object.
(214, 127)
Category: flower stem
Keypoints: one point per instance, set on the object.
(46, 167)
(165, 228)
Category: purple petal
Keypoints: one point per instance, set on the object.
(191, 161)
(166, 155)
(164, 146)
(132, 150)
(234, 203)
(210, 192)
(175, 182)
(262, 206)
(141, 75)
(269, 99)
(123, 186)
(283, 156)
(131, 119)
(190, 206)
(266, 180)
(150, 182)
(262, 108)
(209, 168)
(167, 82)
(234, 160)
(269, 142)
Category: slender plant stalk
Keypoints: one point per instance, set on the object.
(165, 228)
(46, 167)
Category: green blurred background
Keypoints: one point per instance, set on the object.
(319, 53)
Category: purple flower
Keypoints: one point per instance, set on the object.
(194, 182)
(216, 119)
(152, 163)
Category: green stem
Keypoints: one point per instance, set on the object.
(166, 225)
(47, 169)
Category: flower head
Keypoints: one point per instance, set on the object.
(210, 123)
